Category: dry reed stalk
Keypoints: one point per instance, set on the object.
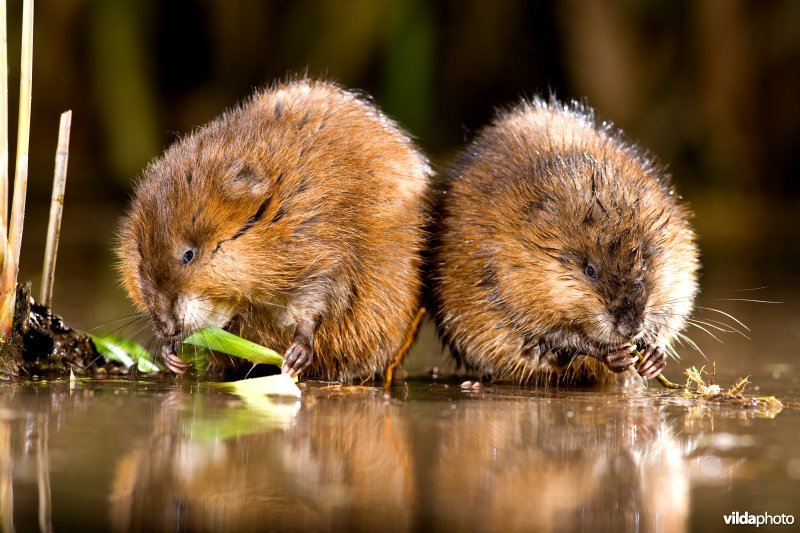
(8, 285)
(3, 118)
(11, 264)
(23, 133)
(56, 209)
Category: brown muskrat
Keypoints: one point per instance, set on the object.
(561, 247)
(297, 219)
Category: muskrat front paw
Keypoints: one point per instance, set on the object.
(653, 362)
(298, 356)
(174, 362)
(618, 358)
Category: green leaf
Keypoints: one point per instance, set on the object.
(125, 352)
(254, 388)
(217, 339)
(195, 356)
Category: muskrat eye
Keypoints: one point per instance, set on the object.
(591, 271)
(188, 256)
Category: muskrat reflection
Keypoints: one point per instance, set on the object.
(560, 466)
(330, 468)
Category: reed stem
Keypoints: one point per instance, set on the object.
(11, 246)
(23, 134)
(11, 264)
(56, 209)
(3, 118)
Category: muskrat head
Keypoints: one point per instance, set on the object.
(593, 253)
(188, 247)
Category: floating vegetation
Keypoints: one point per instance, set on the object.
(700, 385)
(277, 385)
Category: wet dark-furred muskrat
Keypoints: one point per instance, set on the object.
(296, 219)
(561, 245)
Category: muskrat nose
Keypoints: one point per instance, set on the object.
(628, 327)
(629, 331)
(166, 327)
(627, 323)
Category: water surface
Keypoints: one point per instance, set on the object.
(144, 456)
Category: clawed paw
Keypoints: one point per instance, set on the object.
(654, 359)
(619, 358)
(298, 356)
(173, 361)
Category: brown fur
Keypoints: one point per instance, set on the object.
(304, 208)
(543, 192)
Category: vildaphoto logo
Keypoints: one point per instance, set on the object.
(746, 519)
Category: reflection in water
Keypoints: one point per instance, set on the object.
(346, 463)
(340, 465)
(43, 477)
(189, 457)
(6, 485)
(561, 466)
(32, 431)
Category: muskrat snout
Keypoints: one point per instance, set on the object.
(628, 326)
(166, 326)
(628, 318)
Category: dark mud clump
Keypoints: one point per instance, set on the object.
(42, 344)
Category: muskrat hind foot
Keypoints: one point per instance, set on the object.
(654, 360)
(618, 358)
(299, 355)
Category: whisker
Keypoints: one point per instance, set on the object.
(674, 300)
(715, 324)
(119, 329)
(726, 314)
(744, 300)
(722, 326)
(115, 320)
(746, 290)
(684, 337)
(149, 347)
(698, 326)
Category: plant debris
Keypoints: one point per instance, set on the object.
(705, 389)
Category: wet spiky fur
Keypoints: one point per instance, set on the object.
(542, 193)
(303, 203)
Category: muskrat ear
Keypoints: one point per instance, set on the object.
(245, 181)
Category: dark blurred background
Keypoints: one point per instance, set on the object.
(710, 86)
